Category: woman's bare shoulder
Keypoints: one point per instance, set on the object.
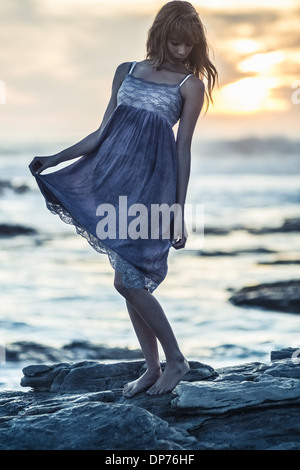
(123, 68)
(193, 86)
(120, 73)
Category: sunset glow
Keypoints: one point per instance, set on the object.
(60, 57)
(262, 63)
(249, 95)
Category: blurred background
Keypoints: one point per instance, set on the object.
(57, 60)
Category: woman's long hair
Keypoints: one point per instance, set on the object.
(179, 20)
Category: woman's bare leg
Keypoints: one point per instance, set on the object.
(144, 304)
(148, 343)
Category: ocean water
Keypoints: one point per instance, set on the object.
(55, 288)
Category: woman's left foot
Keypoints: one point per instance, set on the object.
(141, 384)
(171, 377)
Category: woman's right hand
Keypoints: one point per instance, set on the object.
(40, 164)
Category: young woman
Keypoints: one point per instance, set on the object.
(134, 155)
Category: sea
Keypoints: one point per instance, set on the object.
(56, 289)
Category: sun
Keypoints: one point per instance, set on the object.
(248, 95)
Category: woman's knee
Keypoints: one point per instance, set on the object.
(119, 286)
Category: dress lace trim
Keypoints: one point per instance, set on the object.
(160, 98)
(132, 278)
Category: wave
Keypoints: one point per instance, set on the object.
(249, 146)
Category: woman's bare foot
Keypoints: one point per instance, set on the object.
(142, 383)
(172, 375)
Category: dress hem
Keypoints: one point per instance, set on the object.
(132, 278)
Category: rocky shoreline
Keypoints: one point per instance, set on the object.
(80, 406)
(74, 400)
(27, 351)
(283, 296)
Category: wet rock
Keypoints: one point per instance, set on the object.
(283, 296)
(88, 424)
(286, 353)
(279, 262)
(91, 376)
(223, 396)
(252, 406)
(18, 188)
(258, 413)
(216, 230)
(9, 230)
(245, 251)
(289, 225)
(85, 349)
(77, 350)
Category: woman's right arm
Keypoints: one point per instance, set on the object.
(89, 143)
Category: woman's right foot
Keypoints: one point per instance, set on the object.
(172, 375)
(142, 383)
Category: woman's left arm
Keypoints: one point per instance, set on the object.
(193, 94)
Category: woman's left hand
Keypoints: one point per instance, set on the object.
(179, 243)
(180, 238)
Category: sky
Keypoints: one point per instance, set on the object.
(58, 57)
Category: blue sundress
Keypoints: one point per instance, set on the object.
(134, 162)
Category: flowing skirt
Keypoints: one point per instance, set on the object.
(113, 194)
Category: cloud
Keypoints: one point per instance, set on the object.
(58, 65)
(257, 58)
(60, 56)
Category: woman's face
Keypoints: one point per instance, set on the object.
(179, 50)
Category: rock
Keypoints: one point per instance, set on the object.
(286, 353)
(97, 425)
(18, 188)
(248, 406)
(244, 251)
(283, 296)
(216, 230)
(256, 407)
(8, 230)
(77, 350)
(279, 262)
(220, 397)
(91, 376)
(85, 349)
(289, 225)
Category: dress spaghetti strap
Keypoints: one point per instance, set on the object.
(180, 84)
(185, 78)
(132, 67)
